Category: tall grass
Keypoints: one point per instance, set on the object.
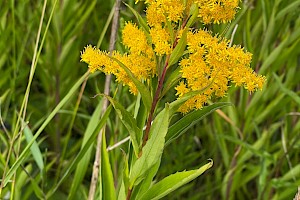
(254, 145)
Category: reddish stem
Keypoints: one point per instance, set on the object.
(128, 194)
(155, 100)
(158, 91)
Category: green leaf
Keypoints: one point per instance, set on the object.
(194, 11)
(147, 100)
(141, 21)
(170, 30)
(172, 182)
(24, 153)
(189, 120)
(122, 193)
(129, 122)
(107, 179)
(171, 81)
(125, 171)
(179, 49)
(274, 55)
(292, 94)
(35, 150)
(82, 152)
(153, 149)
(174, 106)
(146, 183)
(85, 161)
(291, 8)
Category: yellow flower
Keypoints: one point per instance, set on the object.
(142, 66)
(94, 58)
(159, 11)
(217, 11)
(208, 64)
(161, 40)
(134, 38)
(212, 64)
(155, 15)
(181, 89)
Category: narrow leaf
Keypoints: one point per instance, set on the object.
(139, 85)
(172, 182)
(82, 152)
(292, 94)
(85, 161)
(122, 193)
(147, 182)
(179, 49)
(189, 120)
(194, 11)
(171, 81)
(108, 189)
(153, 149)
(141, 21)
(35, 150)
(129, 122)
(24, 153)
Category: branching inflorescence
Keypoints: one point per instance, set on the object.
(199, 65)
(207, 61)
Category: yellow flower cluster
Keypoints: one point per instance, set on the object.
(160, 11)
(210, 11)
(217, 11)
(161, 39)
(140, 59)
(210, 65)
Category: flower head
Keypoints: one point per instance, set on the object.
(210, 65)
(217, 11)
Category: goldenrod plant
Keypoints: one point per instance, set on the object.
(167, 50)
(111, 99)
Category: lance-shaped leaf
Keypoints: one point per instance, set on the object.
(82, 152)
(189, 120)
(171, 81)
(194, 11)
(173, 182)
(35, 150)
(292, 94)
(107, 180)
(24, 153)
(85, 161)
(129, 122)
(179, 49)
(152, 151)
(141, 21)
(146, 97)
(147, 182)
(175, 105)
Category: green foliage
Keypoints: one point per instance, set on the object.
(254, 144)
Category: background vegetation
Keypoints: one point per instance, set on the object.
(255, 144)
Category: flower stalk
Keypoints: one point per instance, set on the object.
(203, 61)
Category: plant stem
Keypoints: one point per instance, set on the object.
(155, 100)
(97, 163)
(128, 194)
(158, 90)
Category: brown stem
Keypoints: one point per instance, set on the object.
(128, 194)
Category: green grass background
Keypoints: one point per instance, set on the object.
(255, 144)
